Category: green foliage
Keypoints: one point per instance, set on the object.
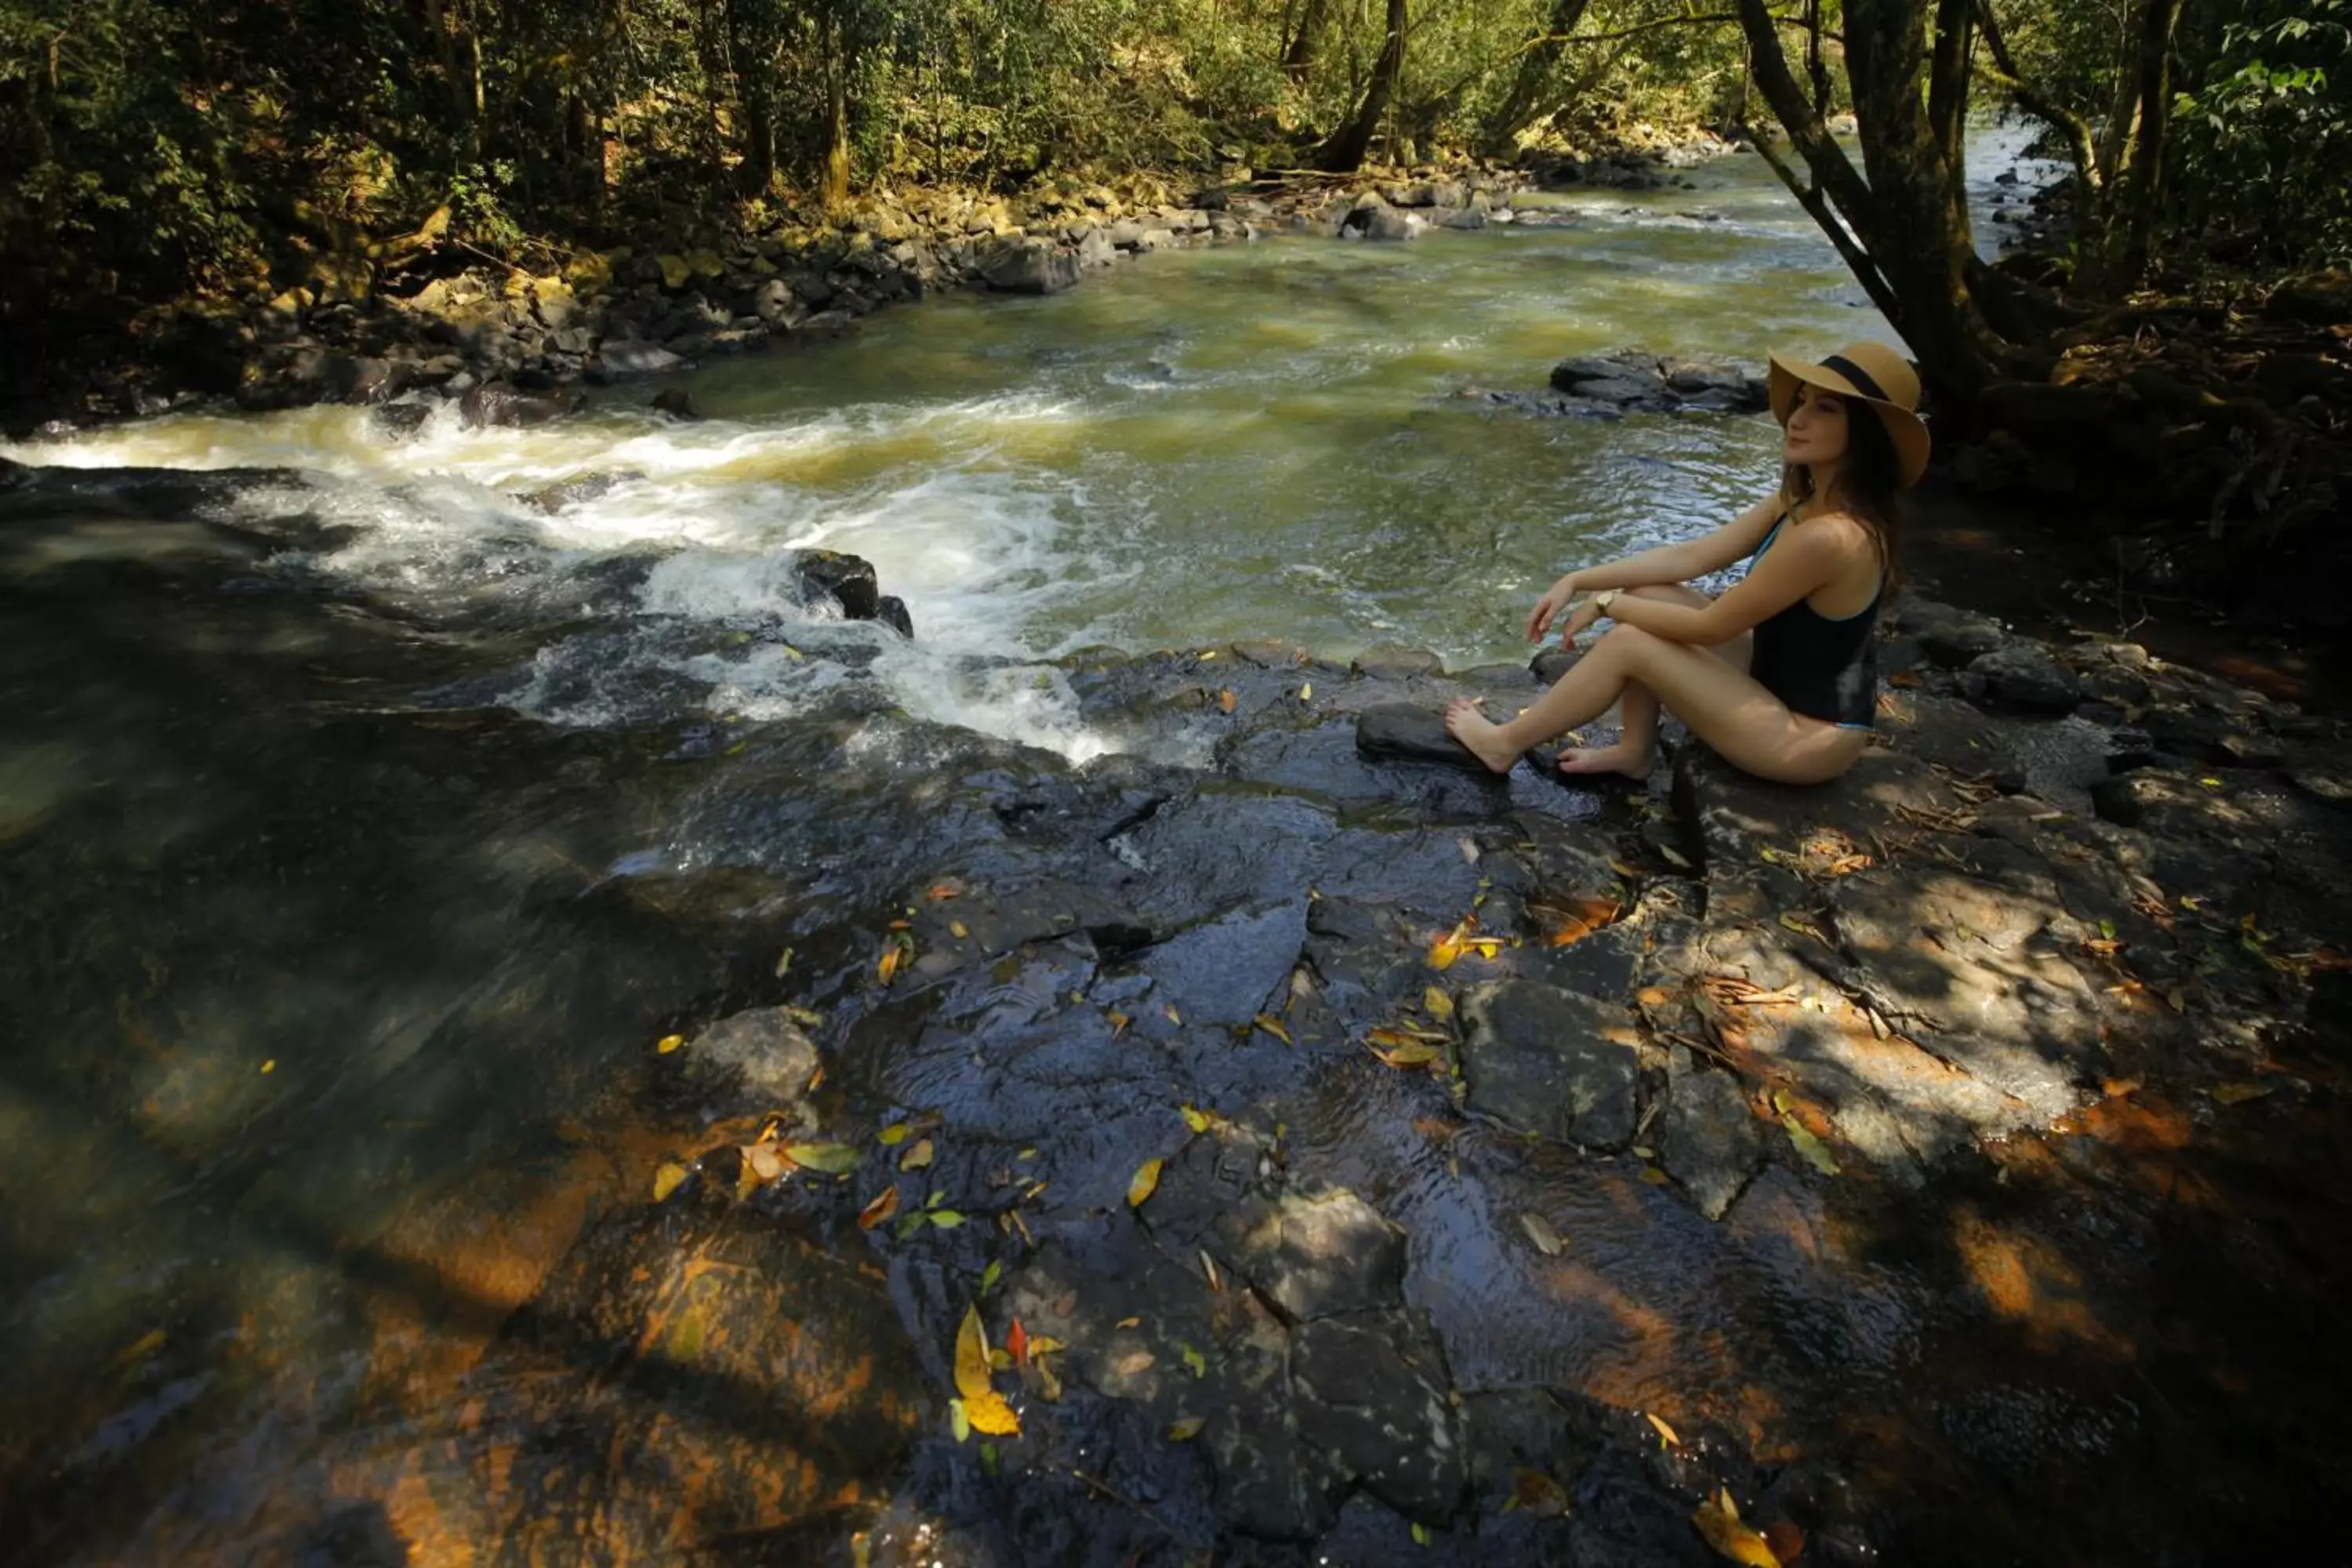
(2265, 139)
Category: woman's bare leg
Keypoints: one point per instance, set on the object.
(1723, 707)
(1637, 705)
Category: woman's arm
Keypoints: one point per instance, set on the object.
(1802, 564)
(1710, 551)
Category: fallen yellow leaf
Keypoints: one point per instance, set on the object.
(1447, 949)
(666, 1177)
(1187, 1428)
(2239, 1093)
(1411, 1054)
(1194, 1118)
(887, 965)
(895, 1133)
(960, 931)
(916, 1158)
(668, 1043)
(763, 1160)
(1665, 1432)
(1147, 1179)
(1273, 1025)
(1814, 1152)
(1436, 1003)
(1718, 1522)
(972, 1375)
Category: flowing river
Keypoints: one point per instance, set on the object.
(361, 830)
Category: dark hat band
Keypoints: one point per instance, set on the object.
(1856, 374)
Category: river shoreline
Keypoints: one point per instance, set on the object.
(347, 333)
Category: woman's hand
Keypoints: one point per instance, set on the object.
(1579, 620)
(1548, 608)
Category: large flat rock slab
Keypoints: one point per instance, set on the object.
(1551, 1061)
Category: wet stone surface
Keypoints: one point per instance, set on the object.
(1347, 1157)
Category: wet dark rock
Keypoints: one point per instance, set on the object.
(1951, 638)
(1032, 266)
(663, 1384)
(616, 359)
(1552, 662)
(399, 421)
(1383, 223)
(766, 1052)
(497, 403)
(1373, 1391)
(1322, 1256)
(566, 493)
(1387, 662)
(1708, 1140)
(892, 612)
(678, 403)
(2024, 675)
(847, 580)
(1635, 382)
(1225, 970)
(1551, 1061)
(1410, 732)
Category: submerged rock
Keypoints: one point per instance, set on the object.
(1411, 732)
(1707, 1138)
(1551, 1061)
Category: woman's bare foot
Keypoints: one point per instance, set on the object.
(1480, 734)
(1605, 760)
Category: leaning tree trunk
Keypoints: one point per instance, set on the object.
(1531, 85)
(1344, 152)
(1298, 55)
(833, 186)
(1900, 221)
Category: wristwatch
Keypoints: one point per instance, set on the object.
(1603, 600)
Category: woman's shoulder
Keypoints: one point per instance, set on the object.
(1836, 527)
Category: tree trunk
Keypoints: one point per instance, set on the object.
(834, 189)
(460, 57)
(1539, 63)
(1298, 55)
(1344, 152)
(2144, 178)
(1908, 241)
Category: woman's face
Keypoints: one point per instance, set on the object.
(1816, 429)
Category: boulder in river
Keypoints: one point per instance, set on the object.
(678, 403)
(847, 580)
(891, 611)
(496, 403)
(1032, 266)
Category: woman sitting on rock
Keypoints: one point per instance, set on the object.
(1779, 675)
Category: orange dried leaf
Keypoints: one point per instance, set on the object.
(887, 965)
(1225, 700)
(1016, 1343)
(917, 1157)
(884, 1204)
(943, 891)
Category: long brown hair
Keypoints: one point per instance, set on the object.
(1869, 486)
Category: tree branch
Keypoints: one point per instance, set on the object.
(1834, 174)
(2003, 74)
(1809, 197)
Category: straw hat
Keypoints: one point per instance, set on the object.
(1867, 372)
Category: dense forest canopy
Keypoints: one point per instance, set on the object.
(152, 150)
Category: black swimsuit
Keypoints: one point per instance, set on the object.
(1822, 667)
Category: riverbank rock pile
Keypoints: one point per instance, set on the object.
(347, 333)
